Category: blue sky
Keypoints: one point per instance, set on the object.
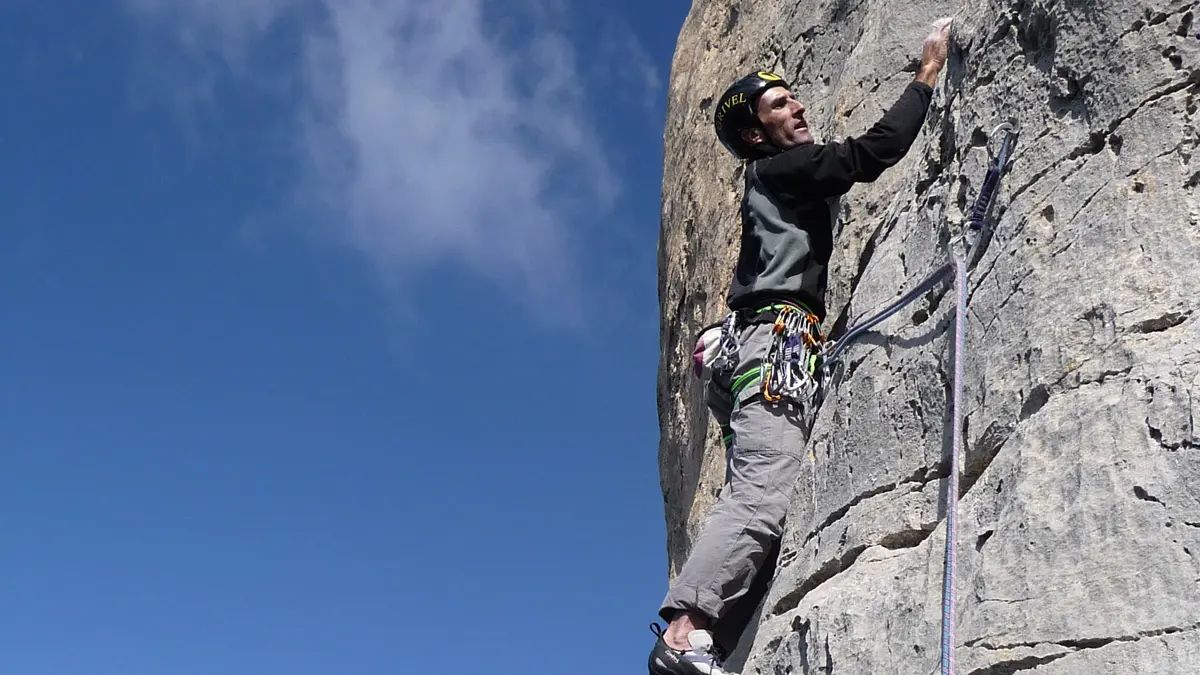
(330, 336)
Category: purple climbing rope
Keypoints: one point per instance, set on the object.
(976, 222)
(949, 586)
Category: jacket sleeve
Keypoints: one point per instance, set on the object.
(821, 171)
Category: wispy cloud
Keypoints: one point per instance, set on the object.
(428, 139)
(225, 26)
(634, 73)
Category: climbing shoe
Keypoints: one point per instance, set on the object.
(702, 659)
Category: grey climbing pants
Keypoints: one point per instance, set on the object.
(741, 532)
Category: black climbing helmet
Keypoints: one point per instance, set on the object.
(736, 110)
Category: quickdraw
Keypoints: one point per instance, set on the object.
(793, 356)
(983, 204)
(790, 366)
(977, 221)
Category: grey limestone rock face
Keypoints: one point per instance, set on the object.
(1079, 516)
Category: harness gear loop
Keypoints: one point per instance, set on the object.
(793, 356)
(727, 349)
(716, 350)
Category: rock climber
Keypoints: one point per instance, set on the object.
(792, 184)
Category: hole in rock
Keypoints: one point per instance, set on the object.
(1140, 493)
(982, 539)
(1034, 402)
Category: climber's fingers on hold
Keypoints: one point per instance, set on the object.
(934, 51)
(940, 32)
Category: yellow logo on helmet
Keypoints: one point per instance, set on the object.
(737, 99)
(740, 97)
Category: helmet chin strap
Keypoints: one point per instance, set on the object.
(767, 147)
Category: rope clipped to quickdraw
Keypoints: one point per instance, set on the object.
(976, 222)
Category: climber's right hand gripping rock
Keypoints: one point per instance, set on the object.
(933, 52)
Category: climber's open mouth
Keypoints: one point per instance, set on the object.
(802, 131)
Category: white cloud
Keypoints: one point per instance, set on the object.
(422, 137)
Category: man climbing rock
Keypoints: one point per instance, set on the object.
(758, 363)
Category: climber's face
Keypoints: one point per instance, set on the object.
(782, 117)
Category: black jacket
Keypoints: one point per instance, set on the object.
(789, 207)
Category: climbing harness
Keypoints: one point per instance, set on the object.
(790, 367)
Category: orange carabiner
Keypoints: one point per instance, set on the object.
(766, 385)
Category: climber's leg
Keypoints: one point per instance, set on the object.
(747, 520)
(732, 626)
(748, 517)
